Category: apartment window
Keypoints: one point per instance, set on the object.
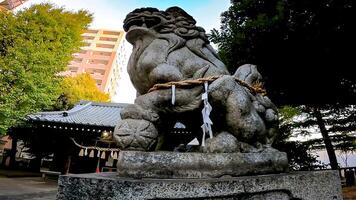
(88, 37)
(98, 61)
(111, 33)
(100, 71)
(82, 51)
(108, 39)
(95, 71)
(73, 69)
(86, 44)
(78, 60)
(91, 31)
(98, 82)
(89, 71)
(101, 53)
(108, 46)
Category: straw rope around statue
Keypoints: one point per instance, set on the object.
(100, 151)
(256, 88)
(207, 122)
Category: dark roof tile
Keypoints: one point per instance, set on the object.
(84, 113)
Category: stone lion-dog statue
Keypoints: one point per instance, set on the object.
(169, 47)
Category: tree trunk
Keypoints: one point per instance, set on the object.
(328, 145)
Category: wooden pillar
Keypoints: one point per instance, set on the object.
(67, 165)
(13, 152)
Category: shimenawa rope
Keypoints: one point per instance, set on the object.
(256, 88)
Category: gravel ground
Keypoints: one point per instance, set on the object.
(349, 193)
(27, 188)
(34, 188)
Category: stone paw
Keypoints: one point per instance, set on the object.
(222, 143)
(134, 134)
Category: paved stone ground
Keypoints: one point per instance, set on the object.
(349, 193)
(33, 188)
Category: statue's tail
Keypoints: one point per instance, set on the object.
(249, 74)
(263, 105)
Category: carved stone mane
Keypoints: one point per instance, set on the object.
(173, 20)
(161, 39)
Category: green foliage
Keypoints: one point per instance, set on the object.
(80, 87)
(302, 47)
(343, 142)
(247, 22)
(288, 112)
(299, 154)
(338, 119)
(35, 44)
(340, 122)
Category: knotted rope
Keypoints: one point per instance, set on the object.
(256, 88)
(94, 147)
(100, 151)
(207, 123)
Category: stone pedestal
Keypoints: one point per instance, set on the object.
(317, 185)
(165, 164)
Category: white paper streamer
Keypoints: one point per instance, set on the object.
(203, 139)
(194, 142)
(115, 156)
(103, 155)
(91, 154)
(206, 115)
(173, 94)
(81, 153)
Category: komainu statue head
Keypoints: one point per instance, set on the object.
(168, 46)
(173, 20)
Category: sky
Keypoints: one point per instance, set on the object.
(110, 14)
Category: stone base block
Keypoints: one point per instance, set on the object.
(318, 185)
(138, 164)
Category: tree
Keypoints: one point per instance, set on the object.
(35, 44)
(302, 48)
(80, 87)
(338, 123)
(299, 154)
(344, 143)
